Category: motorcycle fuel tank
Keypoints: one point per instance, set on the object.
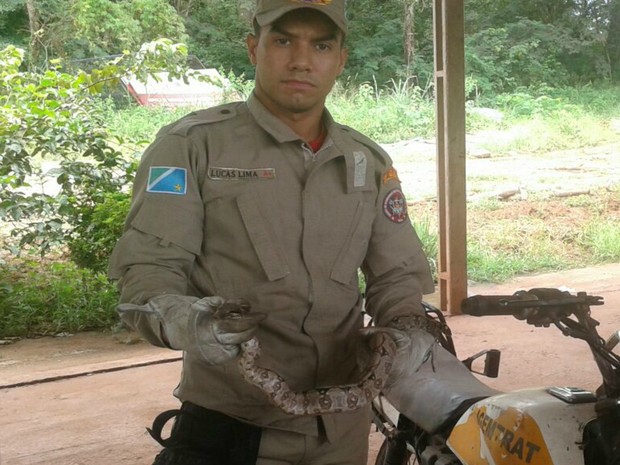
(529, 426)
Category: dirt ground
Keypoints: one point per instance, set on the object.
(86, 399)
(489, 175)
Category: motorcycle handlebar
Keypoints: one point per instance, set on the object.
(483, 305)
(542, 300)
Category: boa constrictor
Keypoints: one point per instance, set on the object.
(337, 398)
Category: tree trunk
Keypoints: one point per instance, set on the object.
(183, 7)
(35, 26)
(245, 10)
(613, 39)
(408, 31)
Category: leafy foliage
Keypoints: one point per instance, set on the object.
(509, 44)
(12, 19)
(109, 27)
(50, 126)
(217, 33)
(10, 5)
(106, 27)
(97, 229)
(528, 53)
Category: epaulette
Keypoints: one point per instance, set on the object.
(211, 115)
(375, 148)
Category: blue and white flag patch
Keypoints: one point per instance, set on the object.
(167, 180)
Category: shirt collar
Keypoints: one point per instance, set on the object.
(280, 131)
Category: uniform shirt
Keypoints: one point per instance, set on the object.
(229, 201)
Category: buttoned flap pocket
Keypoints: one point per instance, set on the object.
(352, 253)
(263, 238)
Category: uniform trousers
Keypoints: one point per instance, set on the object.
(206, 437)
(287, 448)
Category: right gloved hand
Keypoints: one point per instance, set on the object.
(211, 327)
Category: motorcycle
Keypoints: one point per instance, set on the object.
(448, 416)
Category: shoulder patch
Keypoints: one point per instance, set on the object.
(395, 206)
(167, 180)
(390, 175)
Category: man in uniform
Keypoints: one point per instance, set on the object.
(272, 202)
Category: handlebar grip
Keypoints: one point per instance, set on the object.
(545, 301)
(483, 305)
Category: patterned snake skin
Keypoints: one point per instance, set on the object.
(338, 398)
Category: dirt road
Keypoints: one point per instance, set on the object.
(548, 174)
(100, 418)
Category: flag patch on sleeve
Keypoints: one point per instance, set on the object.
(167, 180)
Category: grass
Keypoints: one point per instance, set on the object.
(53, 297)
(508, 239)
(556, 119)
(602, 237)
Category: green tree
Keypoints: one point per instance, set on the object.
(51, 128)
(217, 31)
(76, 29)
(13, 23)
(613, 39)
(106, 27)
(157, 19)
(110, 27)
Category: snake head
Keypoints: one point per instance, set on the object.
(232, 309)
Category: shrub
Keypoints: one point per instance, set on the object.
(55, 297)
(98, 230)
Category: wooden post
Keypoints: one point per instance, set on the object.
(451, 194)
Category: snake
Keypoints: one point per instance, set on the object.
(334, 399)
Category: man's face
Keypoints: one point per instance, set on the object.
(298, 59)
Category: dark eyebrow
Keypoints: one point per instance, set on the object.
(278, 29)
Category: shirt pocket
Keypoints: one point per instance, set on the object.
(263, 237)
(352, 254)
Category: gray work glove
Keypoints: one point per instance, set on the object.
(376, 342)
(211, 327)
(415, 345)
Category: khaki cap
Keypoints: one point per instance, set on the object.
(267, 11)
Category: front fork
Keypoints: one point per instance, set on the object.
(602, 435)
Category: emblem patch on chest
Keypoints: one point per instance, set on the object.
(395, 206)
(167, 180)
(241, 174)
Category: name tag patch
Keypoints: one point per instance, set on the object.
(167, 180)
(241, 174)
(395, 206)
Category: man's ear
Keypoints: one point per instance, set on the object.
(252, 42)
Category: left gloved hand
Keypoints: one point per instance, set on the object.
(376, 343)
